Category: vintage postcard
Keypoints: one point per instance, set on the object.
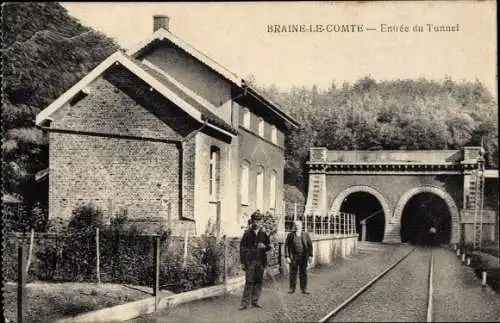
(250, 161)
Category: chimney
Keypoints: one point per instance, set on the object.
(160, 21)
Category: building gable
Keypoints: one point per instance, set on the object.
(156, 85)
(193, 74)
(119, 103)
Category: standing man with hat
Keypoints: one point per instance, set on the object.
(253, 247)
(298, 254)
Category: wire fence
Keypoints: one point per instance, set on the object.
(339, 223)
(185, 263)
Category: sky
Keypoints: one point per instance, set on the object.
(237, 35)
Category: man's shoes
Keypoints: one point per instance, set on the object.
(305, 292)
(242, 307)
(291, 291)
(256, 305)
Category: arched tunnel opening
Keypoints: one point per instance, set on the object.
(365, 206)
(422, 212)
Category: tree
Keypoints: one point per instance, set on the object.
(44, 52)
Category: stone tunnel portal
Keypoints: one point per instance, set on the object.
(366, 207)
(421, 212)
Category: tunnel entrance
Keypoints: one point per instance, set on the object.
(366, 206)
(423, 211)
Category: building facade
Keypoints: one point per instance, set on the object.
(169, 136)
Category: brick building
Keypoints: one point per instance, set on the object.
(168, 135)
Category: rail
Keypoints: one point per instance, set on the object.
(360, 291)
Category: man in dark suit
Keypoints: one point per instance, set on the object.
(298, 253)
(253, 247)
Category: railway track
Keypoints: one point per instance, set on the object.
(362, 304)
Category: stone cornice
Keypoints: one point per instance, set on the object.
(386, 172)
(349, 168)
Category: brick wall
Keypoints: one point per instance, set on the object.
(392, 187)
(140, 176)
(139, 172)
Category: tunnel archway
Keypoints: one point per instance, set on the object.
(441, 193)
(366, 206)
(421, 212)
(373, 195)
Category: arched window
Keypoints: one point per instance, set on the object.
(246, 118)
(245, 182)
(259, 203)
(274, 135)
(214, 172)
(261, 127)
(272, 190)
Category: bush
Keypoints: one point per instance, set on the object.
(86, 217)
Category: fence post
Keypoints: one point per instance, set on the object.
(225, 260)
(283, 215)
(169, 215)
(306, 228)
(98, 262)
(186, 237)
(294, 211)
(157, 270)
(280, 260)
(30, 252)
(21, 280)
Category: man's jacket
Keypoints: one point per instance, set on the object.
(249, 250)
(306, 245)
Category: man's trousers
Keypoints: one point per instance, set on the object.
(298, 263)
(254, 275)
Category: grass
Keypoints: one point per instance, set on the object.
(485, 259)
(46, 302)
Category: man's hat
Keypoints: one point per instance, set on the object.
(256, 216)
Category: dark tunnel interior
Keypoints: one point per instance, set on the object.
(363, 205)
(422, 212)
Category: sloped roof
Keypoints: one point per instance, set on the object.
(206, 113)
(169, 90)
(162, 34)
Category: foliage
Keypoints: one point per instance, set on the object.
(44, 52)
(86, 217)
(269, 224)
(126, 254)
